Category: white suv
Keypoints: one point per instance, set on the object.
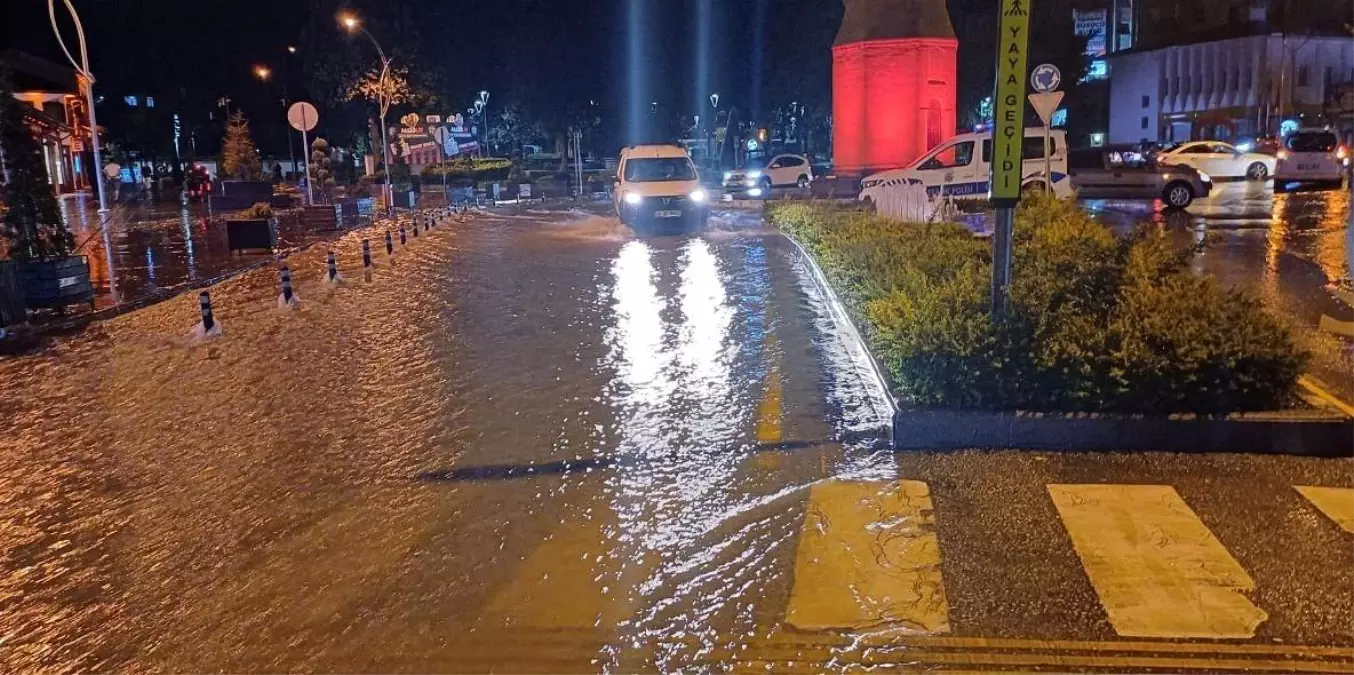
(657, 185)
(757, 177)
(1310, 156)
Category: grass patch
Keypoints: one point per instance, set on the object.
(1099, 323)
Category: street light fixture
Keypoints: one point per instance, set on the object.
(383, 96)
(82, 70)
(291, 49)
(262, 72)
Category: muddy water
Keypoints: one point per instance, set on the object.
(530, 438)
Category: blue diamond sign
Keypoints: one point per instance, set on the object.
(1045, 78)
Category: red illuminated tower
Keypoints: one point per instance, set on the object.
(893, 83)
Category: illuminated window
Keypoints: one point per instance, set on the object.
(130, 100)
(1098, 70)
(1059, 118)
(150, 101)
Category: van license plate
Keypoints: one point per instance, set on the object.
(667, 214)
(1309, 167)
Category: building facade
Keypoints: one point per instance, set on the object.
(55, 112)
(1232, 88)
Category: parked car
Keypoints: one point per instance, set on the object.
(1121, 172)
(755, 179)
(658, 186)
(1219, 160)
(1311, 156)
(961, 168)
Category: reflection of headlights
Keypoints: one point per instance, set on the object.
(750, 180)
(1204, 177)
(633, 198)
(699, 196)
(755, 192)
(754, 173)
(728, 175)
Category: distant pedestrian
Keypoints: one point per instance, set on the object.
(277, 172)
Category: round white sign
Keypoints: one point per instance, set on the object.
(1045, 78)
(302, 116)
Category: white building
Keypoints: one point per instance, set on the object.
(1233, 88)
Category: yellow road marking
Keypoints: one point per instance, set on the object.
(769, 428)
(1313, 386)
(1330, 324)
(918, 661)
(1157, 569)
(578, 578)
(868, 557)
(1336, 503)
(886, 639)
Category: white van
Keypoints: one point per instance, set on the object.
(1311, 156)
(962, 167)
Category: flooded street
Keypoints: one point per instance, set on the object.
(534, 442)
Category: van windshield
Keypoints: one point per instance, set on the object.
(659, 169)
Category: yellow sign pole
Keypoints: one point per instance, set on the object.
(1008, 136)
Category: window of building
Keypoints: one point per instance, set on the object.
(1099, 69)
(1303, 76)
(129, 100)
(150, 101)
(1144, 123)
(1146, 101)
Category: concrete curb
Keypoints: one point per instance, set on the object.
(1299, 432)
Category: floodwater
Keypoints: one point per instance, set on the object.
(535, 442)
(537, 421)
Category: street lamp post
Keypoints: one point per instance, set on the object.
(482, 107)
(383, 97)
(82, 69)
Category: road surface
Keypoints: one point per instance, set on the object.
(533, 442)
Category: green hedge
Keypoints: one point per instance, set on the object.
(1098, 322)
(471, 168)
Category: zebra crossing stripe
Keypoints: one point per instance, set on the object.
(1158, 570)
(1336, 503)
(578, 578)
(868, 556)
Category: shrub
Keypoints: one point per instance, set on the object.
(470, 168)
(258, 210)
(1098, 322)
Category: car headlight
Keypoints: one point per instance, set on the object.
(754, 174)
(728, 175)
(699, 196)
(633, 198)
(1205, 177)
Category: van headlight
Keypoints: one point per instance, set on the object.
(1205, 177)
(699, 196)
(755, 173)
(728, 175)
(633, 198)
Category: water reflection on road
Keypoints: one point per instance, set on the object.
(534, 433)
(1288, 249)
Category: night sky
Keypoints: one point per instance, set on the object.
(541, 54)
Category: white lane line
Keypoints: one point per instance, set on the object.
(1336, 503)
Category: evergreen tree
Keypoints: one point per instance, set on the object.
(32, 224)
(321, 173)
(239, 158)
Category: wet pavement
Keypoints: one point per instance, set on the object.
(533, 442)
(1287, 249)
(141, 251)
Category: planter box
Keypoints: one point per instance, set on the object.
(12, 309)
(321, 218)
(55, 283)
(240, 194)
(1290, 432)
(283, 201)
(253, 233)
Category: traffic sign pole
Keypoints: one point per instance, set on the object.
(303, 117)
(1008, 137)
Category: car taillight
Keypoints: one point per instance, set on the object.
(1283, 154)
(1341, 152)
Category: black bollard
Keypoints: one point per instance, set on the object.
(415, 228)
(287, 293)
(390, 243)
(403, 241)
(333, 268)
(204, 300)
(366, 254)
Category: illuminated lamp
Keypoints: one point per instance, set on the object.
(894, 83)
